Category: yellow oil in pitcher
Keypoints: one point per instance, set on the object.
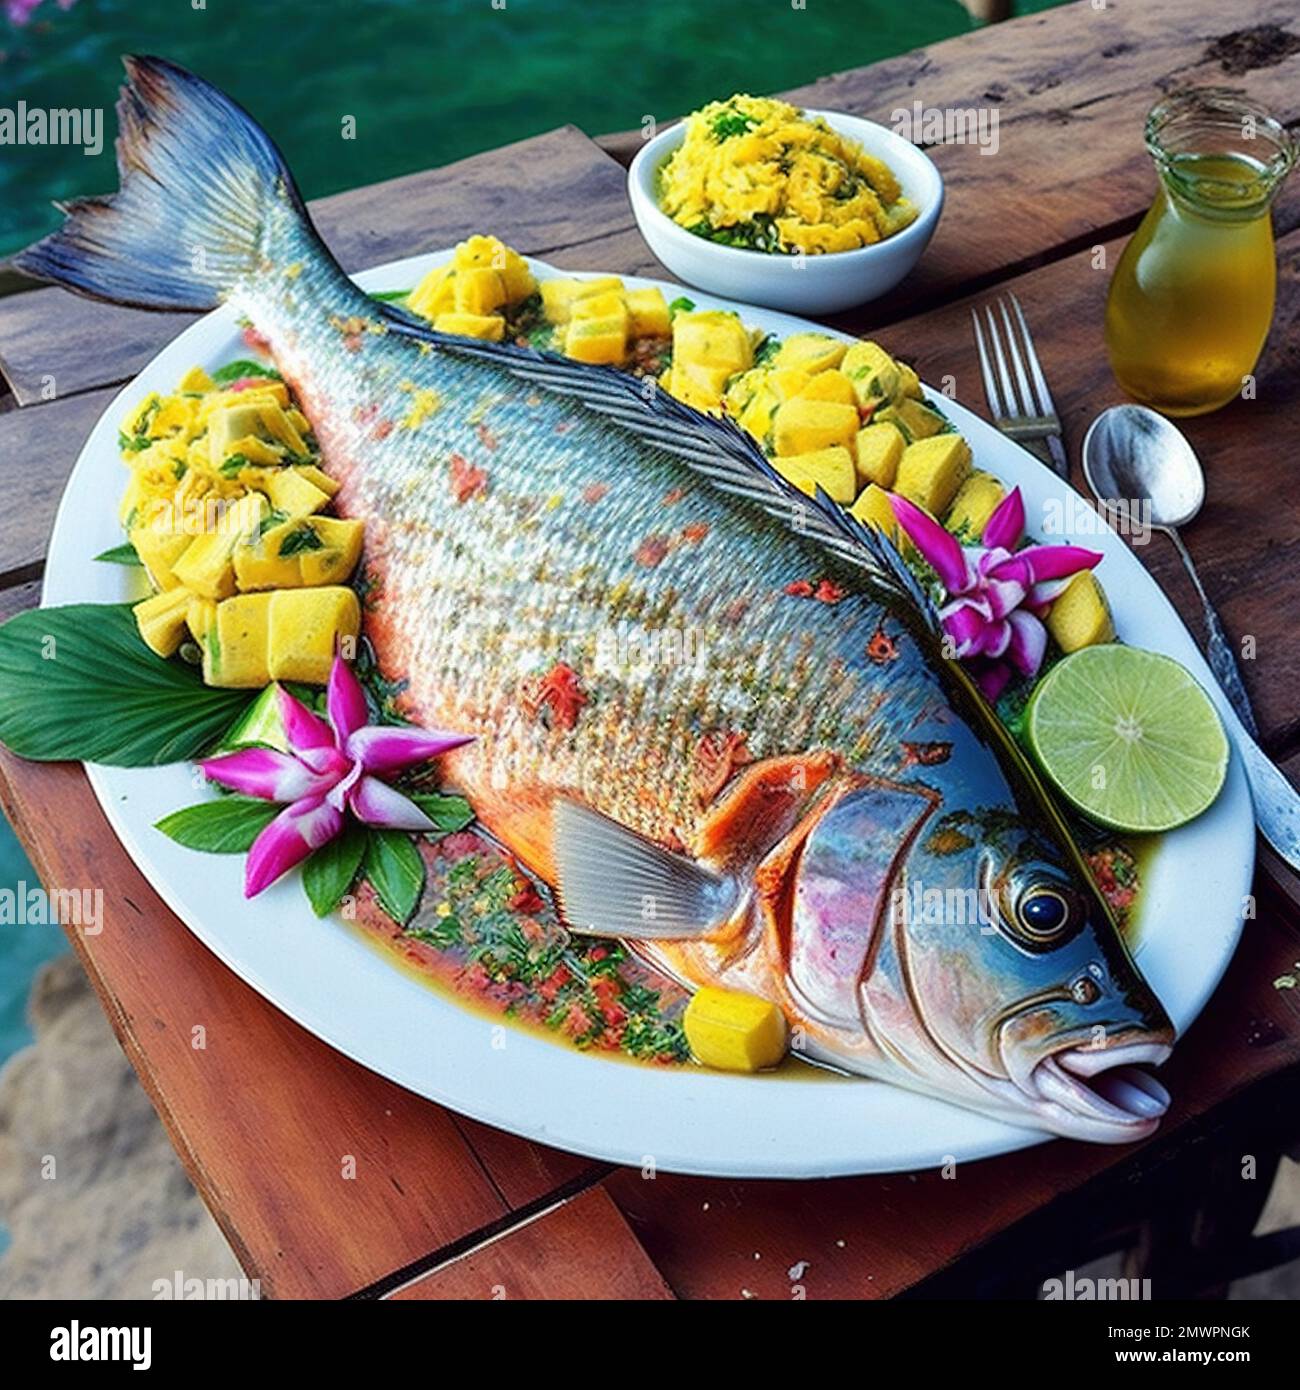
(1192, 298)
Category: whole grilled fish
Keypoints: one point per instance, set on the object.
(712, 713)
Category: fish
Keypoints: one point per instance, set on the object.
(686, 723)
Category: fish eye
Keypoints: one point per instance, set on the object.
(1042, 913)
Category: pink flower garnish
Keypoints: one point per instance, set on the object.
(997, 595)
(331, 768)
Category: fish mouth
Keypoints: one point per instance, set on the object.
(1098, 1093)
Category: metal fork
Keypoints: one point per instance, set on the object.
(1024, 411)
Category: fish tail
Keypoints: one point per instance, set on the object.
(204, 194)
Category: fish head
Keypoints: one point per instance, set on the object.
(953, 922)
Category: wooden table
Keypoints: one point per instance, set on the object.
(442, 1207)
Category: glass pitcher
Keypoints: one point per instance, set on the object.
(1192, 297)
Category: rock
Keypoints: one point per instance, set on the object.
(117, 1212)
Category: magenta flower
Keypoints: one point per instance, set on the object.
(332, 768)
(997, 594)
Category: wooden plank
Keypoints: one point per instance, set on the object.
(874, 1237)
(52, 340)
(1071, 88)
(522, 1171)
(581, 1250)
(264, 1116)
(38, 448)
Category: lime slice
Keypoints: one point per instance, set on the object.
(259, 726)
(1128, 737)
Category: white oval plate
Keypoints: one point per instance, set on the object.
(337, 985)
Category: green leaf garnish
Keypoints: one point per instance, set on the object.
(395, 869)
(234, 463)
(236, 371)
(389, 296)
(448, 813)
(78, 682)
(330, 871)
(304, 538)
(228, 825)
(123, 554)
(680, 305)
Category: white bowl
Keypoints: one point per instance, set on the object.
(816, 284)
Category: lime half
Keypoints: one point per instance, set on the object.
(1128, 737)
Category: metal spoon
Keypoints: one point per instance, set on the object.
(1135, 459)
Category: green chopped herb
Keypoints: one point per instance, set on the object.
(234, 463)
(680, 305)
(304, 538)
(236, 371)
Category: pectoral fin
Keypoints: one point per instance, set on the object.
(613, 882)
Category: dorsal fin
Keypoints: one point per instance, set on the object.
(716, 449)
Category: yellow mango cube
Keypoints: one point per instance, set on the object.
(206, 568)
(713, 338)
(787, 382)
(873, 508)
(878, 452)
(830, 385)
(305, 627)
(873, 372)
(831, 469)
(197, 380)
(610, 305)
(559, 296)
(161, 620)
(909, 384)
(159, 547)
(601, 341)
(976, 501)
(801, 426)
(733, 1031)
(291, 492)
(810, 353)
(340, 550)
(916, 420)
(318, 477)
(234, 655)
(490, 327)
(1080, 616)
(479, 291)
(199, 618)
(931, 471)
(435, 294)
(259, 564)
(648, 315)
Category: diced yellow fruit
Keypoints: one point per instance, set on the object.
(931, 471)
(278, 427)
(909, 384)
(733, 1031)
(648, 314)
(435, 294)
(698, 384)
(199, 617)
(206, 568)
(161, 620)
(479, 252)
(597, 340)
(558, 296)
(259, 564)
(305, 627)
(788, 382)
(830, 385)
(873, 508)
(610, 305)
(490, 327)
(874, 373)
(810, 352)
(1081, 616)
(317, 476)
(976, 501)
(879, 449)
(196, 379)
(177, 416)
(235, 654)
(292, 493)
(713, 337)
(479, 291)
(239, 429)
(802, 425)
(159, 548)
(917, 421)
(338, 556)
(831, 468)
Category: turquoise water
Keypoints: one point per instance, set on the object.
(428, 81)
(23, 949)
